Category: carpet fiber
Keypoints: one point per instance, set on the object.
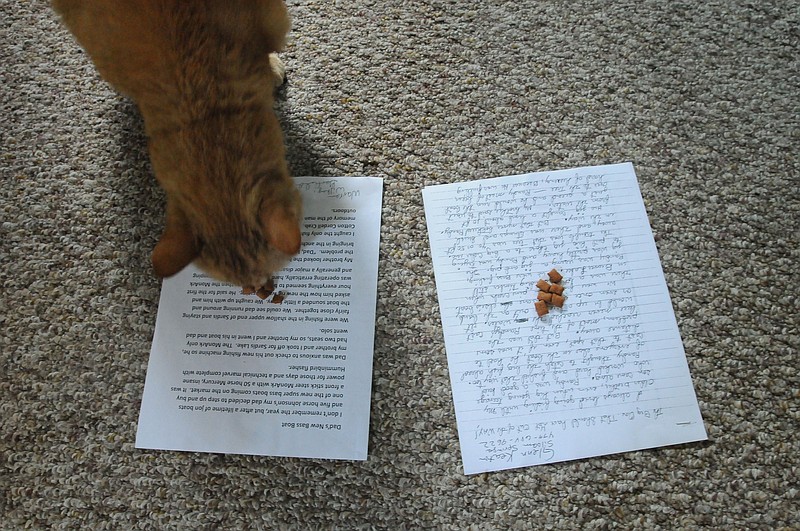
(703, 98)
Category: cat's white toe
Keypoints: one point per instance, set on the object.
(278, 69)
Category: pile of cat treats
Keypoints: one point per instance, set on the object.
(265, 291)
(549, 293)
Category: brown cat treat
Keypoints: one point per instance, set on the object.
(544, 296)
(541, 308)
(555, 276)
(248, 290)
(263, 293)
(543, 285)
(558, 289)
(278, 298)
(203, 74)
(557, 300)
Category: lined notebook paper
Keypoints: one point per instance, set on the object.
(607, 372)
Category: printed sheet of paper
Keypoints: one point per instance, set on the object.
(607, 372)
(231, 373)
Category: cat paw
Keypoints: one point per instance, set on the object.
(278, 70)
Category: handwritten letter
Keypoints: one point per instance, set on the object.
(606, 373)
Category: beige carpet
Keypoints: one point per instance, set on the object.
(703, 97)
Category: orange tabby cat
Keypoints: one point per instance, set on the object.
(203, 74)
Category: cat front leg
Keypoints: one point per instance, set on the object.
(177, 246)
